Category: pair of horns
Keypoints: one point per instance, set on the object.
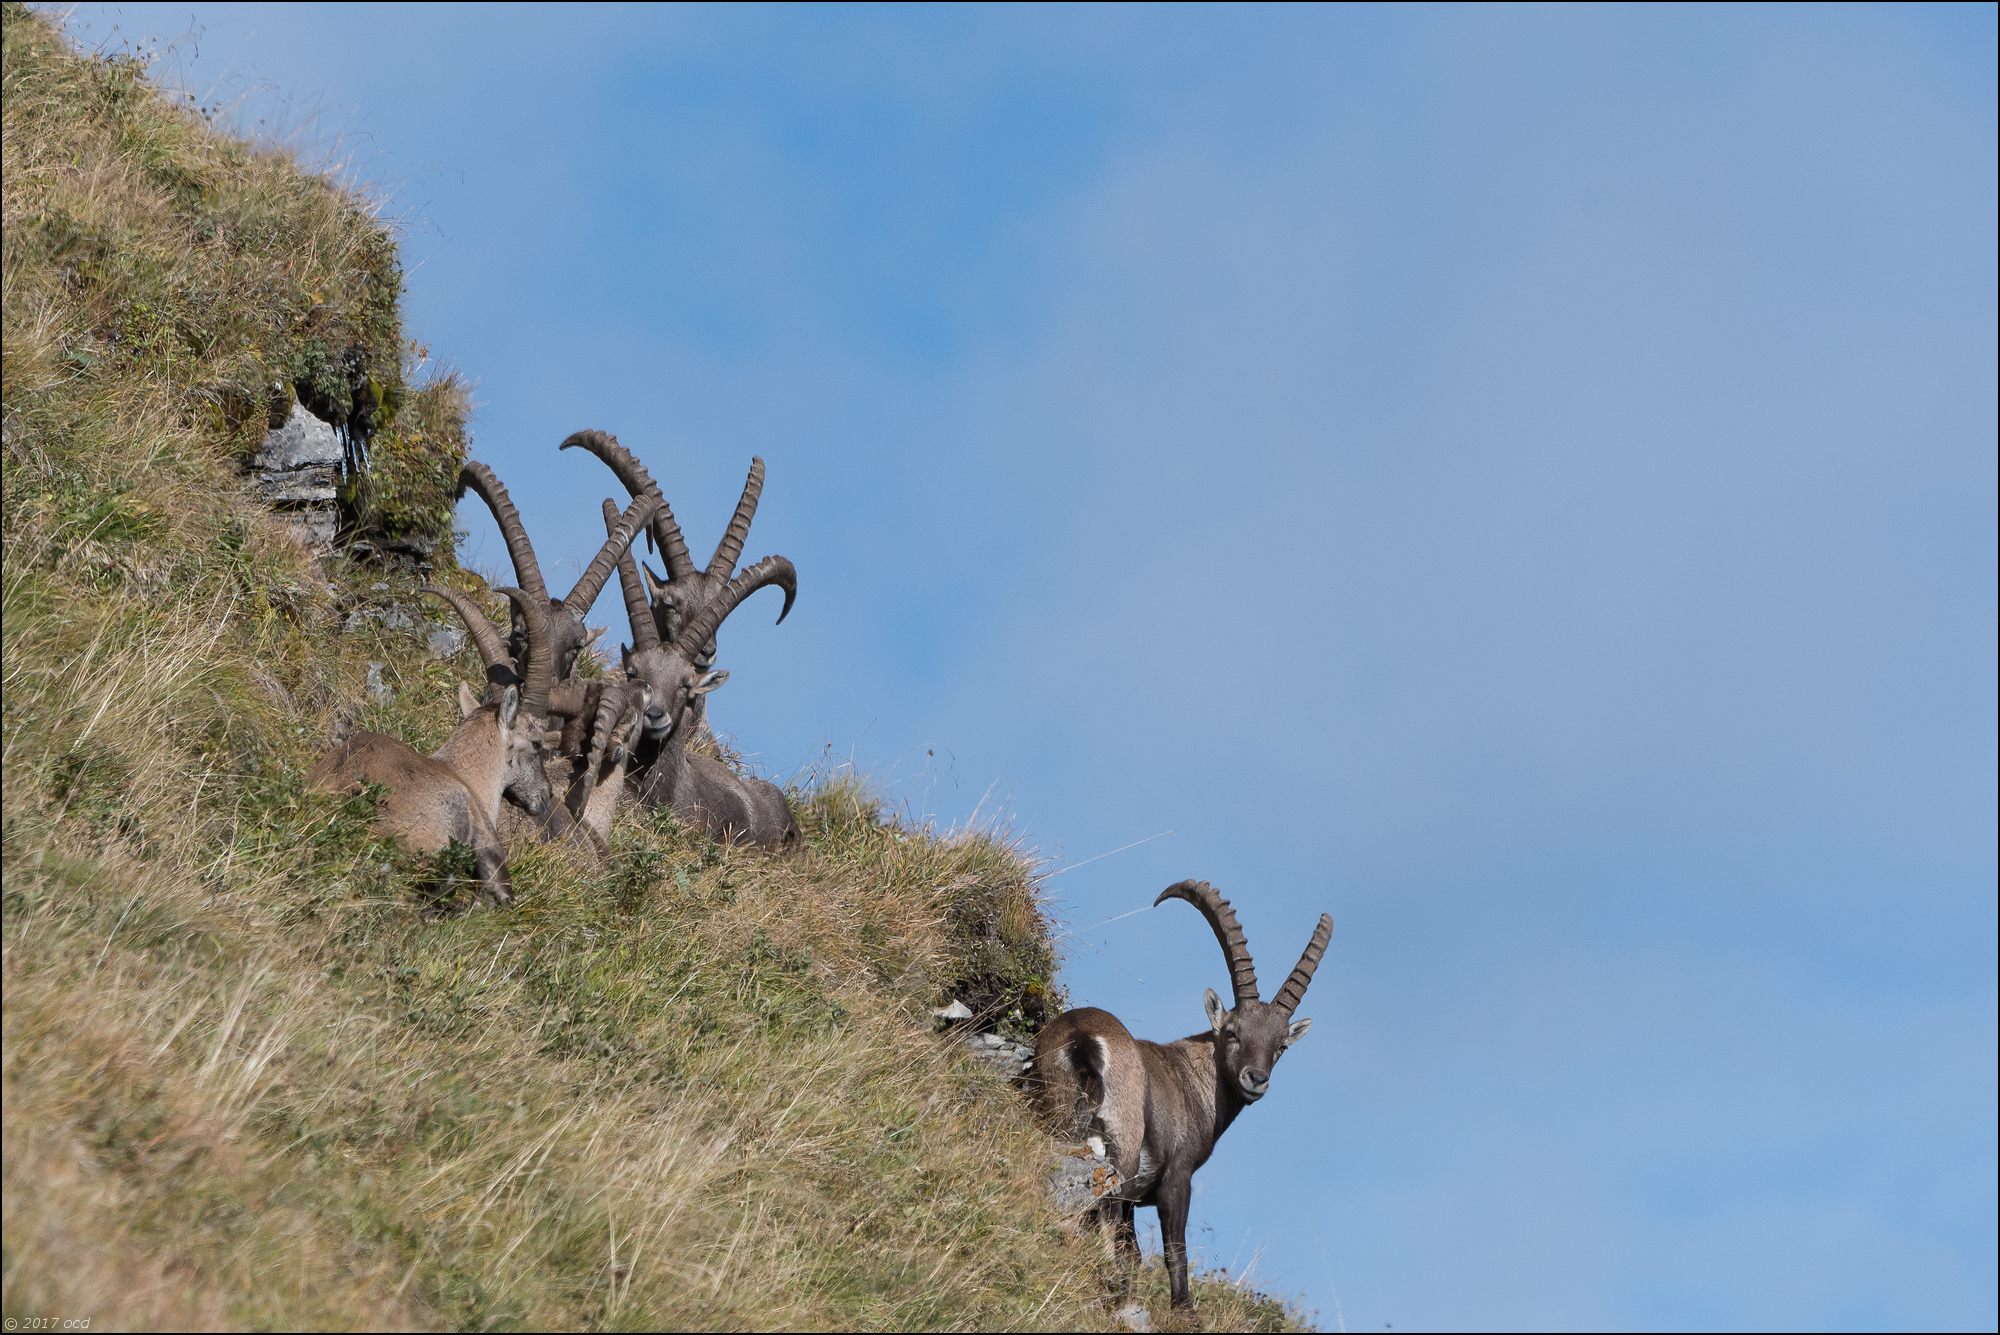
(701, 613)
(1236, 950)
(535, 674)
(665, 531)
(478, 478)
(616, 702)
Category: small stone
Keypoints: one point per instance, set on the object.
(1133, 1317)
(397, 619)
(446, 641)
(958, 1010)
(378, 690)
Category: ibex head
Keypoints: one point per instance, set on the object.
(518, 692)
(677, 669)
(1251, 1035)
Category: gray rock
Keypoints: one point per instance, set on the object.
(302, 442)
(446, 641)
(1133, 1317)
(1081, 1179)
(316, 483)
(314, 525)
(958, 1010)
(378, 690)
(395, 618)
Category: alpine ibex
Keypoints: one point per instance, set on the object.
(453, 794)
(1160, 1107)
(701, 790)
(686, 590)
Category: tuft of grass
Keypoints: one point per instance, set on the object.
(251, 1078)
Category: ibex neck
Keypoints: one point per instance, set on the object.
(1220, 1099)
(473, 751)
(666, 768)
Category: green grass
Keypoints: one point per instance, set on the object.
(250, 1078)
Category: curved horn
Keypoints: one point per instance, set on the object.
(483, 633)
(666, 532)
(1242, 973)
(477, 477)
(1294, 991)
(535, 673)
(645, 635)
(700, 628)
(600, 567)
(730, 548)
(610, 704)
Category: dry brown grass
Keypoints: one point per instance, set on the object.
(248, 1080)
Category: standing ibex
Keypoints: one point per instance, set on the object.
(1161, 1107)
(701, 790)
(453, 794)
(686, 590)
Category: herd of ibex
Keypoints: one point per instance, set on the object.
(1154, 1110)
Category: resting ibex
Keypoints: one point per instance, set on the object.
(686, 590)
(700, 789)
(1161, 1107)
(453, 795)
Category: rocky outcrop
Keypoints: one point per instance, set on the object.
(297, 470)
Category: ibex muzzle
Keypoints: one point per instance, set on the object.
(1161, 1107)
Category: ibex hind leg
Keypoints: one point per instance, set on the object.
(495, 886)
(1115, 1216)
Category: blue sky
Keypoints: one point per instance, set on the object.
(1519, 480)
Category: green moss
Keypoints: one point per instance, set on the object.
(404, 496)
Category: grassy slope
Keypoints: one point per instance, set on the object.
(247, 1082)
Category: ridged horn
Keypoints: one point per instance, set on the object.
(623, 530)
(491, 648)
(730, 549)
(477, 477)
(1294, 991)
(666, 532)
(536, 672)
(700, 628)
(1222, 918)
(572, 697)
(610, 704)
(645, 635)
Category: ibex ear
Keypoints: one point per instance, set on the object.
(656, 584)
(1209, 1001)
(467, 701)
(1297, 1031)
(510, 704)
(708, 681)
